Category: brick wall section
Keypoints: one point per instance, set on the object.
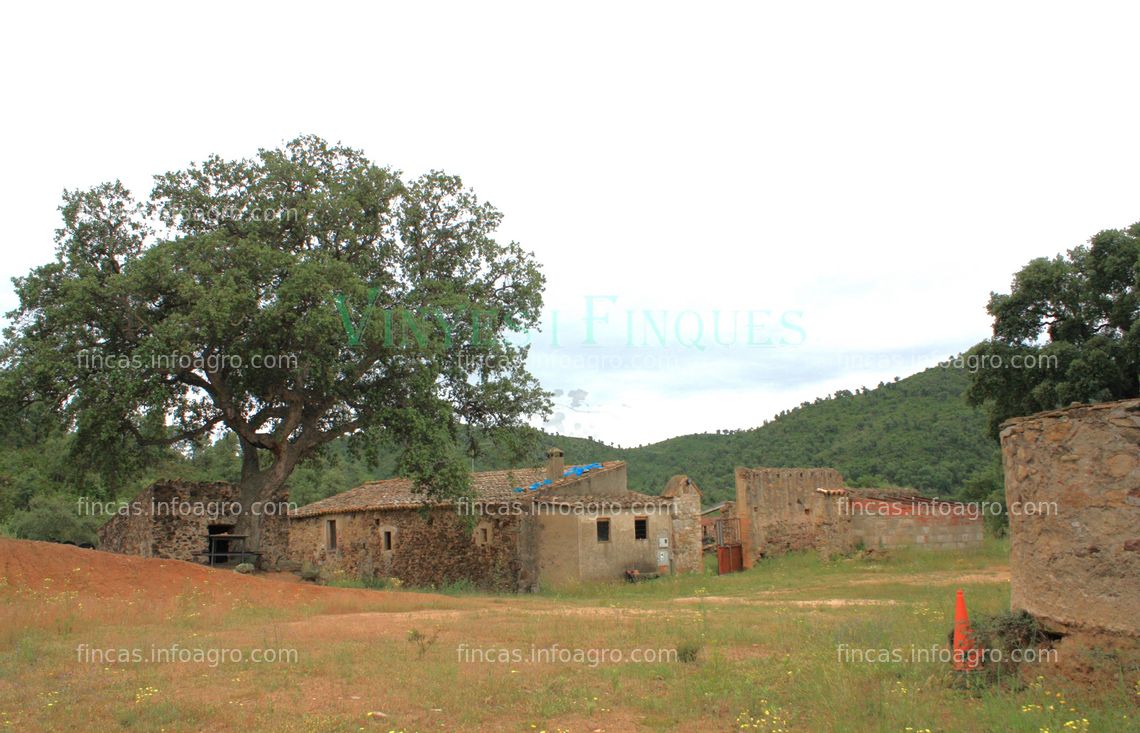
(171, 519)
(940, 525)
(431, 547)
(1077, 566)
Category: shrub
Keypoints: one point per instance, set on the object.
(1005, 632)
(422, 641)
(54, 518)
(687, 651)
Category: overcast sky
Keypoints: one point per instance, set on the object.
(830, 190)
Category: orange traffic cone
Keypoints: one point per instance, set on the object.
(966, 654)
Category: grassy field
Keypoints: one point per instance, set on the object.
(791, 645)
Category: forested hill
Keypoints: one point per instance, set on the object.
(916, 432)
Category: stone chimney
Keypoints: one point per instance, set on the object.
(555, 464)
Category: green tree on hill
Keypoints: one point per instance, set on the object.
(1076, 320)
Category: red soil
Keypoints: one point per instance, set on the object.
(46, 566)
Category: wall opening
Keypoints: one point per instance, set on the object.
(641, 528)
(603, 530)
(330, 535)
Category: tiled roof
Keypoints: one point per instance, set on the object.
(487, 486)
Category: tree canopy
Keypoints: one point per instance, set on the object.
(1069, 331)
(293, 299)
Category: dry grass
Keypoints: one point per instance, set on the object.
(765, 645)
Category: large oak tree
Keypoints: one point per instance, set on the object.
(295, 298)
(1073, 322)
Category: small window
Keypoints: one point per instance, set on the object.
(603, 530)
(641, 528)
(484, 535)
(387, 540)
(330, 535)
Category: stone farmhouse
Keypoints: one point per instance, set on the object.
(787, 509)
(521, 529)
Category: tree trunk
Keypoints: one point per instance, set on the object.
(259, 485)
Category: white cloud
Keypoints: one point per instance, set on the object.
(878, 167)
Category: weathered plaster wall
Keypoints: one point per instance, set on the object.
(609, 560)
(1078, 567)
(610, 482)
(556, 548)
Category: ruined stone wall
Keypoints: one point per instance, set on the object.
(430, 548)
(781, 511)
(1076, 567)
(127, 532)
(939, 525)
(171, 519)
(687, 548)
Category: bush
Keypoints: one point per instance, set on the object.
(1005, 632)
(687, 651)
(53, 518)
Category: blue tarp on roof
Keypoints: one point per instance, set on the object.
(572, 471)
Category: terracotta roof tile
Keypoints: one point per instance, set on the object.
(400, 493)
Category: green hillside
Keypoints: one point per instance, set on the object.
(915, 432)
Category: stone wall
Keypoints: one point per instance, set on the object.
(171, 519)
(129, 533)
(430, 547)
(1075, 561)
(686, 543)
(938, 525)
(787, 509)
(781, 511)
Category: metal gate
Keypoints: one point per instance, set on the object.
(729, 550)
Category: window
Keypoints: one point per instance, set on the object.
(387, 540)
(641, 528)
(330, 535)
(483, 533)
(603, 530)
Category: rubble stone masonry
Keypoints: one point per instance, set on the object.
(171, 519)
(1075, 560)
